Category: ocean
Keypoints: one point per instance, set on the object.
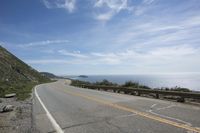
(190, 81)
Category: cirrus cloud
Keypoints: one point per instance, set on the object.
(65, 4)
(113, 6)
(43, 43)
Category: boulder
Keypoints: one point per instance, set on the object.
(7, 108)
(10, 95)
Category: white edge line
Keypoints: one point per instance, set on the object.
(53, 121)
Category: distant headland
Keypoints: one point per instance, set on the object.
(83, 76)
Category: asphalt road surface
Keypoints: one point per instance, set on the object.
(59, 107)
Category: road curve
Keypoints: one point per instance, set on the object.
(58, 107)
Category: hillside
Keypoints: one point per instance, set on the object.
(49, 75)
(16, 76)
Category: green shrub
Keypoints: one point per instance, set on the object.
(21, 88)
(105, 82)
(79, 83)
(131, 84)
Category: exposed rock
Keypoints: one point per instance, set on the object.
(19, 120)
(10, 95)
(8, 108)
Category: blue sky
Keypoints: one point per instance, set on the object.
(103, 36)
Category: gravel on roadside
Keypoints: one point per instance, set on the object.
(20, 120)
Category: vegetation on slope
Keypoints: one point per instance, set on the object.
(49, 75)
(16, 76)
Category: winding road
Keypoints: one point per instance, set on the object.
(59, 107)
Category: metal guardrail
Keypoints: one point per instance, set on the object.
(139, 91)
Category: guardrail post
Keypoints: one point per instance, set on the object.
(157, 96)
(181, 99)
(133, 93)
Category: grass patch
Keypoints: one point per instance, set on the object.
(22, 89)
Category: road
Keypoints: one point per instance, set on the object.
(59, 107)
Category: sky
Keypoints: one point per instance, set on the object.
(72, 37)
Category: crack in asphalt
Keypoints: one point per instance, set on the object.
(111, 124)
(107, 120)
(83, 124)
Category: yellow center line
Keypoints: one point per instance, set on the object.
(146, 115)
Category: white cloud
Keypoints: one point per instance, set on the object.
(109, 8)
(129, 56)
(1, 42)
(148, 1)
(143, 7)
(43, 43)
(105, 9)
(47, 4)
(113, 7)
(76, 54)
(106, 16)
(116, 5)
(192, 21)
(156, 55)
(144, 35)
(160, 60)
(104, 58)
(65, 4)
(174, 51)
(48, 61)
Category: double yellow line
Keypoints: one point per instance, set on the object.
(146, 115)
